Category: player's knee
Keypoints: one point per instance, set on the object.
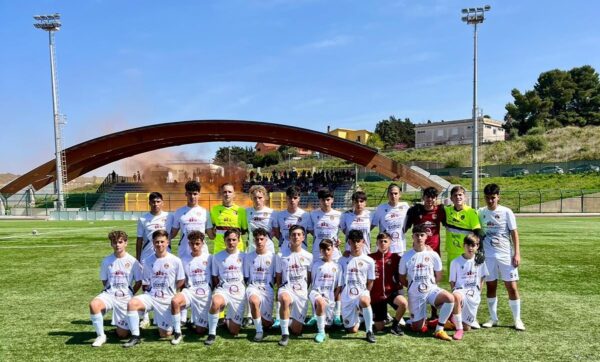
(400, 301)
(285, 300)
(457, 297)
(164, 333)
(254, 301)
(122, 333)
(133, 305)
(379, 326)
(365, 301)
(296, 328)
(96, 306)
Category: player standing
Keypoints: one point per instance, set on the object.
(259, 272)
(148, 223)
(292, 215)
(502, 257)
(230, 291)
(197, 293)
(357, 282)
(387, 289)
(225, 217)
(326, 279)
(420, 271)
(292, 277)
(163, 275)
(466, 280)
(260, 216)
(190, 217)
(390, 218)
(118, 271)
(359, 218)
(461, 220)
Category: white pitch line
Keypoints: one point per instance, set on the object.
(29, 235)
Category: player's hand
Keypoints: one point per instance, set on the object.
(479, 257)
(516, 260)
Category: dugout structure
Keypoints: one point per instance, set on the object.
(87, 156)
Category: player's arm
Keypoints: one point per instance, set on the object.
(278, 280)
(173, 233)
(137, 287)
(403, 280)
(180, 284)
(308, 279)
(438, 276)
(370, 284)
(453, 284)
(138, 248)
(211, 232)
(516, 260)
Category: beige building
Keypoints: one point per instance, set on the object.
(360, 136)
(459, 132)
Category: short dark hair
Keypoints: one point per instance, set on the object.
(195, 235)
(355, 235)
(297, 227)
(226, 184)
(456, 189)
(471, 239)
(292, 191)
(192, 186)
(419, 228)
(260, 231)
(430, 192)
(392, 185)
(235, 231)
(155, 195)
(491, 189)
(325, 243)
(383, 235)
(158, 233)
(324, 193)
(359, 195)
(115, 235)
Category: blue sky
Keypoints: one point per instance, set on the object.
(309, 63)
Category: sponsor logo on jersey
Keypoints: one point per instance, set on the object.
(268, 262)
(127, 265)
(422, 288)
(462, 217)
(232, 267)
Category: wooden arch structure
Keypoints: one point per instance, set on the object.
(92, 154)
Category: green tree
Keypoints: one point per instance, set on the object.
(233, 155)
(393, 131)
(375, 141)
(559, 98)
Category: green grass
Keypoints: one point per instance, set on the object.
(48, 280)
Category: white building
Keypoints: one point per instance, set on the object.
(459, 132)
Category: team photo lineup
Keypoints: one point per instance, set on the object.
(262, 272)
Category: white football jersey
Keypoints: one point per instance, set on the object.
(263, 218)
(187, 219)
(357, 271)
(229, 268)
(362, 222)
(326, 276)
(294, 268)
(147, 225)
(161, 275)
(497, 225)
(259, 269)
(198, 272)
(324, 225)
(284, 221)
(420, 268)
(466, 275)
(120, 274)
(391, 219)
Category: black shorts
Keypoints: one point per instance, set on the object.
(380, 310)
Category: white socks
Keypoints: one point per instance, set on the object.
(183, 315)
(98, 323)
(445, 312)
(458, 321)
(368, 316)
(321, 323)
(213, 320)
(134, 323)
(338, 308)
(277, 310)
(493, 308)
(176, 322)
(258, 324)
(515, 307)
(285, 325)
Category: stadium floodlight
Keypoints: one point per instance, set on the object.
(473, 17)
(51, 24)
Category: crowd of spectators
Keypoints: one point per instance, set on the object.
(306, 180)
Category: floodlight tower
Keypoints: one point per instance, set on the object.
(474, 16)
(51, 24)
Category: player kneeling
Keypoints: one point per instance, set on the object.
(197, 293)
(163, 275)
(326, 279)
(259, 272)
(466, 278)
(228, 276)
(420, 270)
(292, 274)
(117, 273)
(357, 281)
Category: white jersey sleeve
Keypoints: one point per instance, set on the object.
(437, 261)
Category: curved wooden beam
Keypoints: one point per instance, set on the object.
(92, 154)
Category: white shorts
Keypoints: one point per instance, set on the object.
(313, 295)
(161, 308)
(199, 300)
(118, 305)
(351, 305)
(299, 302)
(235, 301)
(470, 303)
(265, 295)
(507, 271)
(417, 302)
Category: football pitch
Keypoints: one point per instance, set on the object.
(48, 279)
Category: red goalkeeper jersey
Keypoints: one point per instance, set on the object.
(386, 275)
